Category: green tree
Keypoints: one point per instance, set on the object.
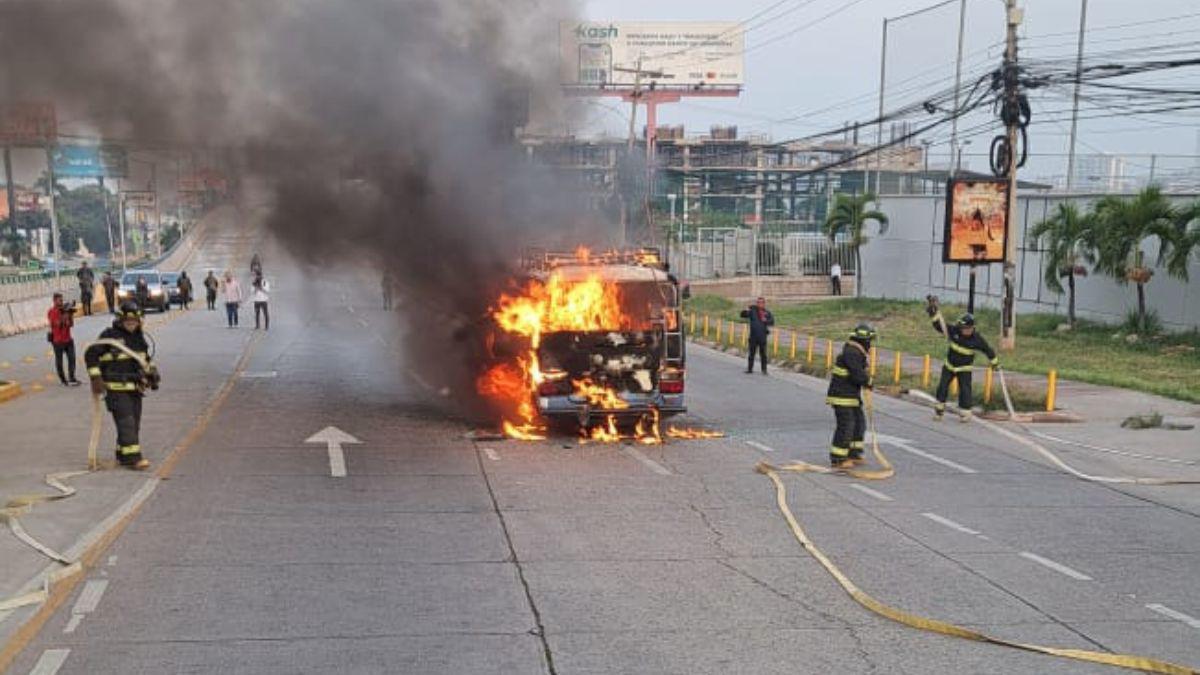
(81, 216)
(1121, 229)
(1065, 235)
(1184, 241)
(14, 246)
(850, 215)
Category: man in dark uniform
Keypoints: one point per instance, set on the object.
(761, 320)
(848, 377)
(123, 374)
(960, 355)
(110, 292)
(87, 286)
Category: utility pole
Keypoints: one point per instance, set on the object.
(962, 25)
(1075, 105)
(879, 126)
(10, 191)
(58, 253)
(1008, 310)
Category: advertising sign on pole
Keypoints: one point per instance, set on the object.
(687, 53)
(90, 161)
(976, 230)
(140, 199)
(27, 124)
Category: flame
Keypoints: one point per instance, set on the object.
(598, 396)
(677, 432)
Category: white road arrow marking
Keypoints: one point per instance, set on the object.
(904, 444)
(333, 438)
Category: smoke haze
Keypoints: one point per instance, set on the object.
(381, 128)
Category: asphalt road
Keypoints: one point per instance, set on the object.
(437, 554)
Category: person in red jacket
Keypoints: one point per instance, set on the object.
(61, 318)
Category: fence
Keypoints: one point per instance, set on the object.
(728, 252)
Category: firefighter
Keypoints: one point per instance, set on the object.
(850, 374)
(123, 376)
(960, 355)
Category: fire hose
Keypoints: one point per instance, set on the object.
(887, 470)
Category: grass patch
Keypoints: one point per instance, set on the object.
(1164, 364)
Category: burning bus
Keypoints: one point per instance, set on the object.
(599, 343)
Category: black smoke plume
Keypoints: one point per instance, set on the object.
(383, 129)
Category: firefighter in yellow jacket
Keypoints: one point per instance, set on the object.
(849, 375)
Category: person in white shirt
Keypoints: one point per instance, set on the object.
(260, 298)
(232, 291)
(835, 275)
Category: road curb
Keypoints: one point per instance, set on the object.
(9, 390)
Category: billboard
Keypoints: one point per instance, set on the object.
(90, 161)
(976, 221)
(28, 123)
(140, 199)
(687, 53)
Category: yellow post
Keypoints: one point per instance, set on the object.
(874, 360)
(812, 342)
(705, 326)
(954, 387)
(828, 354)
(1051, 389)
(896, 369)
(793, 352)
(692, 325)
(775, 345)
(745, 334)
(925, 373)
(732, 334)
(987, 385)
(718, 338)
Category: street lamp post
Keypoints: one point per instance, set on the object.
(958, 163)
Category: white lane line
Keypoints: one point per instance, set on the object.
(363, 322)
(760, 446)
(1174, 614)
(870, 492)
(50, 661)
(941, 520)
(1057, 567)
(112, 560)
(89, 598)
(73, 623)
(650, 464)
(903, 444)
(491, 454)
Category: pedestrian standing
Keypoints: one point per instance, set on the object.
(233, 298)
(87, 286)
(185, 289)
(761, 320)
(141, 292)
(61, 318)
(964, 341)
(835, 278)
(260, 298)
(210, 290)
(846, 382)
(122, 374)
(110, 292)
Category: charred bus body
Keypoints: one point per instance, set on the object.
(639, 366)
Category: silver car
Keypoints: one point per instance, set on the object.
(157, 296)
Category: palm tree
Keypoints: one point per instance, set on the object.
(1186, 239)
(1121, 228)
(1066, 234)
(849, 215)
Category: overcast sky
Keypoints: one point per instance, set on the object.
(835, 62)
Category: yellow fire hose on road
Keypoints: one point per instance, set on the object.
(887, 470)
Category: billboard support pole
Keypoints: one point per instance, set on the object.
(971, 291)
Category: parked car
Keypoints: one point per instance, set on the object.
(170, 282)
(158, 297)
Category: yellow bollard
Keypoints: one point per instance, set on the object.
(812, 342)
(925, 373)
(705, 326)
(954, 387)
(896, 369)
(1051, 389)
(987, 385)
(874, 359)
(793, 352)
(745, 335)
(718, 338)
(732, 334)
(829, 355)
(692, 325)
(775, 345)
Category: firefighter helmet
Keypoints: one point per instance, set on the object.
(129, 310)
(863, 332)
(966, 320)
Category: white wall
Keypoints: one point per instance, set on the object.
(907, 263)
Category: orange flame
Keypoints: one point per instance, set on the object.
(677, 432)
